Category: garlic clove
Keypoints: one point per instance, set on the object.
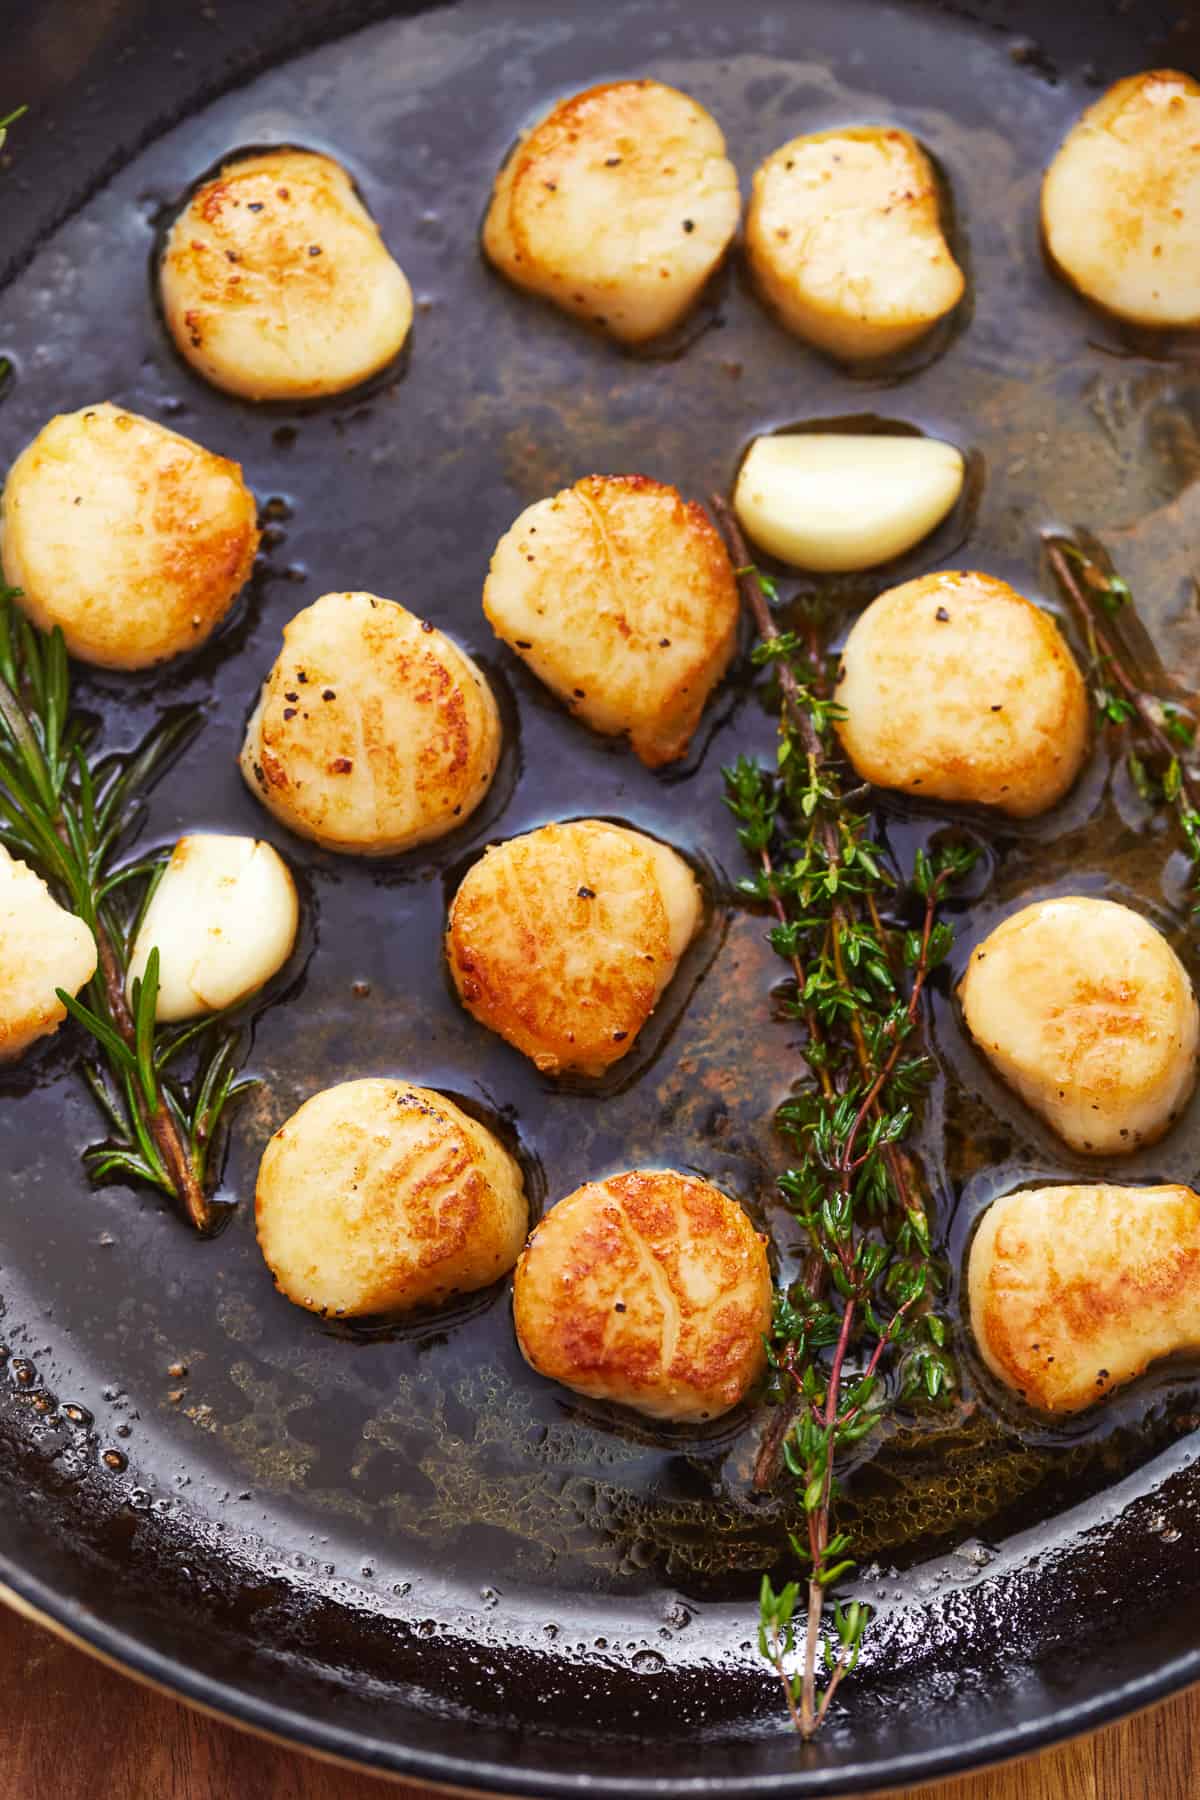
(223, 918)
(42, 948)
(835, 502)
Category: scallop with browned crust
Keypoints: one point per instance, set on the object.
(42, 948)
(955, 687)
(374, 732)
(651, 1289)
(564, 939)
(618, 207)
(134, 540)
(1084, 1008)
(1075, 1290)
(276, 283)
(619, 594)
(845, 240)
(377, 1196)
(1121, 201)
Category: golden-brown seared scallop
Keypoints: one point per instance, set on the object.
(373, 732)
(1121, 201)
(618, 206)
(563, 940)
(377, 1196)
(42, 947)
(1085, 1009)
(131, 538)
(223, 919)
(1074, 1290)
(276, 283)
(651, 1289)
(845, 241)
(957, 688)
(619, 594)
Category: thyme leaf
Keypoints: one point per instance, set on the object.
(1158, 729)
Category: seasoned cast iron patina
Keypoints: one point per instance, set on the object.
(400, 1545)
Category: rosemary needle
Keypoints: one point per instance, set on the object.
(68, 813)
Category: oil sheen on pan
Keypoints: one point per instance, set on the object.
(403, 1517)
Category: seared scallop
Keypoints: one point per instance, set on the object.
(373, 732)
(42, 948)
(132, 539)
(620, 596)
(845, 241)
(1085, 1009)
(618, 207)
(1075, 1290)
(377, 1196)
(651, 1289)
(1121, 201)
(955, 687)
(276, 283)
(223, 919)
(563, 940)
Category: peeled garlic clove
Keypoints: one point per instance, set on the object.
(223, 919)
(832, 501)
(42, 948)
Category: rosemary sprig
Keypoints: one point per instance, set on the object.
(865, 1298)
(1159, 730)
(68, 817)
(10, 119)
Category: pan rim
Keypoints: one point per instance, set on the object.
(231, 1704)
(134, 1654)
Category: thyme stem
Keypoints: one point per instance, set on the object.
(1147, 707)
(867, 1280)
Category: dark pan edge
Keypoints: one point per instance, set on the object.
(36, 1601)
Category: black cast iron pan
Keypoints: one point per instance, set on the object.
(401, 1547)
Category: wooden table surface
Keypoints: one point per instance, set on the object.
(71, 1729)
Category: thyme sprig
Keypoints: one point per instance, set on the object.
(69, 816)
(1158, 729)
(857, 1331)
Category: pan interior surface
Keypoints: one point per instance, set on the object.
(399, 1545)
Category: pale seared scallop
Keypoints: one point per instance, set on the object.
(563, 940)
(1075, 1290)
(845, 241)
(223, 919)
(276, 283)
(1084, 1008)
(618, 207)
(620, 596)
(42, 947)
(132, 539)
(1121, 201)
(651, 1289)
(955, 687)
(374, 732)
(377, 1196)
